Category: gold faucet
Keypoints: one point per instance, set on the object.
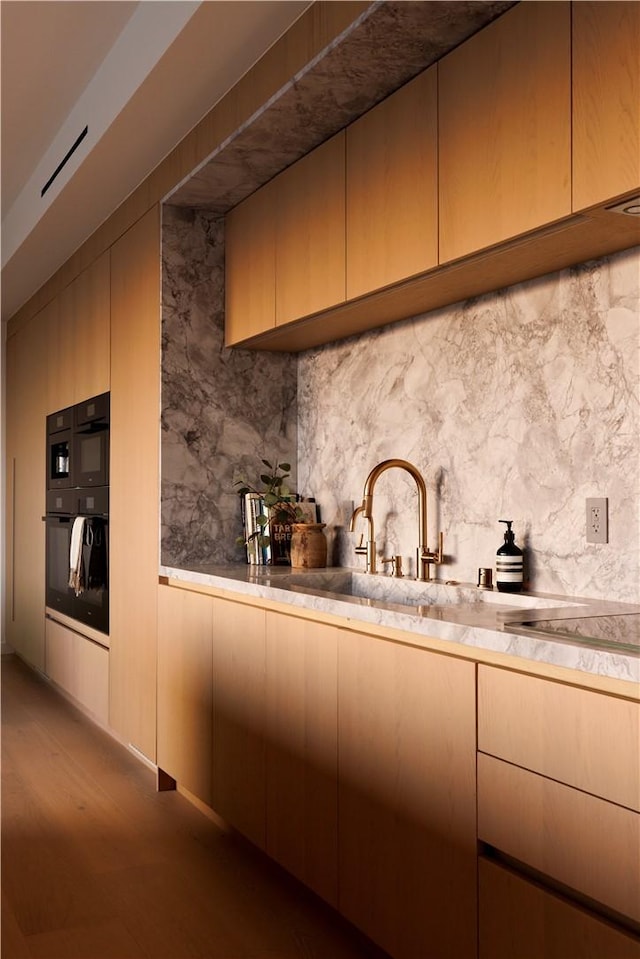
(425, 556)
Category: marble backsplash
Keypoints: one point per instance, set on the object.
(222, 410)
(516, 405)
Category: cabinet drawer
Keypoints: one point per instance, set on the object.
(520, 918)
(582, 841)
(582, 738)
(80, 667)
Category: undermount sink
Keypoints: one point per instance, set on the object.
(410, 592)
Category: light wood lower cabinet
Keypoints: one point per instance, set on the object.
(519, 918)
(239, 717)
(302, 750)
(582, 738)
(185, 689)
(407, 826)
(80, 667)
(588, 844)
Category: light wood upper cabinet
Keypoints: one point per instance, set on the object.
(59, 333)
(239, 714)
(407, 827)
(505, 129)
(78, 338)
(606, 101)
(302, 750)
(134, 492)
(310, 233)
(250, 266)
(392, 188)
(185, 689)
(92, 330)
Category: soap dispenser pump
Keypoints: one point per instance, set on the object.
(509, 563)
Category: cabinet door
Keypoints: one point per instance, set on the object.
(392, 188)
(407, 809)
(185, 689)
(582, 738)
(80, 667)
(91, 330)
(606, 101)
(310, 233)
(239, 712)
(586, 843)
(518, 918)
(59, 332)
(505, 130)
(78, 338)
(134, 492)
(302, 708)
(26, 468)
(250, 266)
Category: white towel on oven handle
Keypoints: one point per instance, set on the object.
(76, 575)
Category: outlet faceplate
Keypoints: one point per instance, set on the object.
(597, 520)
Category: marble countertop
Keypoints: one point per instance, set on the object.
(545, 628)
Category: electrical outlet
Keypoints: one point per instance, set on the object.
(597, 520)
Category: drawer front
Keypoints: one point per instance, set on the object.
(591, 845)
(519, 918)
(80, 667)
(582, 738)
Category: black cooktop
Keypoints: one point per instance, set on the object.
(619, 631)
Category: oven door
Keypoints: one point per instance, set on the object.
(92, 605)
(58, 593)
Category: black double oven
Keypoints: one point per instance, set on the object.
(77, 519)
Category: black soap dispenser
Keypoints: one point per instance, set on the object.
(509, 563)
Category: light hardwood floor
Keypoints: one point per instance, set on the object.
(98, 865)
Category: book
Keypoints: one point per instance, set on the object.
(278, 529)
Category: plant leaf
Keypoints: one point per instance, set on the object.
(285, 467)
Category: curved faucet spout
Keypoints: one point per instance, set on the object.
(372, 478)
(424, 556)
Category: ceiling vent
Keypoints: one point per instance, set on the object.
(64, 161)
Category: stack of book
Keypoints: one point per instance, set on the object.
(277, 552)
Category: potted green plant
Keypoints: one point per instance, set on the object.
(274, 519)
(271, 505)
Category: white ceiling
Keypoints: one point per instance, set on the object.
(139, 75)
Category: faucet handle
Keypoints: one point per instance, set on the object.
(433, 556)
(396, 566)
(361, 549)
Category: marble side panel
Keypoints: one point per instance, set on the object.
(515, 405)
(222, 410)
